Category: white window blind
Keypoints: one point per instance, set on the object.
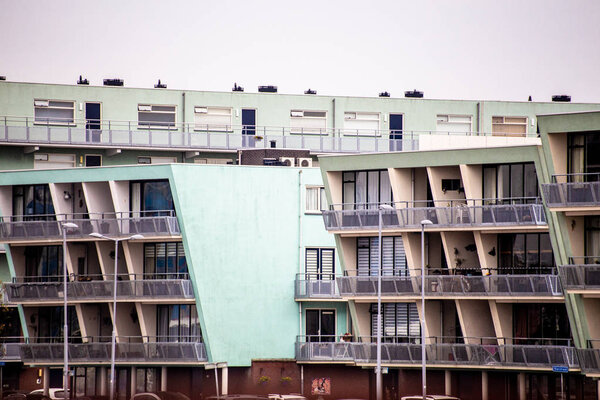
(316, 201)
(398, 320)
(56, 112)
(361, 123)
(319, 263)
(393, 260)
(309, 122)
(52, 161)
(509, 126)
(212, 118)
(156, 116)
(454, 123)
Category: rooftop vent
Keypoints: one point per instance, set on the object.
(82, 81)
(310, 91)
(384, 94)
(113, 82)
(160, 85)
(267, 89)
(529, 99)
(2, 78)
(237, 88)
(414, 94)
(563, 98)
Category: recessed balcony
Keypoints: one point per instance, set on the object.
(572, 191)
(152, 288)
(581, 274)
(36, 228)
(539, 354)
(456, 214)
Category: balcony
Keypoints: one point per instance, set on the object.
(589, 358)
(316, 286)
(447, 352)
(451, 283)
(94, 288)
(25, 228)
(573, 190)
(97, 350)
(10, 349)
(459, 214)
(581, 274)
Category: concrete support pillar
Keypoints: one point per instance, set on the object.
(46, 381)
(522, 387)
(103, 381)
(484, 385)
(598, 381)
(133, 386)
(163, 379)
(224, 380)
(448, 382)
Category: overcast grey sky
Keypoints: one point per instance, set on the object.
(504, 50)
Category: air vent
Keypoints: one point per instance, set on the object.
(413, 94)
(310, 91)
(267, 89)
(2, 78)
(160, 85)
(562, 98)
(113, 82)
(384, 94)
(305, 162)
(82, 81)
(237, 88)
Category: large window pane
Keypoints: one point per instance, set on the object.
(516, 180)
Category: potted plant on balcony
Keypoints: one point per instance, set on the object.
(285, 380)
(263, 380)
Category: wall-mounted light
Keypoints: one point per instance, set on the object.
(492, 252)
(67, 195)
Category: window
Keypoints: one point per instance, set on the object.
(177, 323)
(212, 118)
(393, 261)
(504, 182)
(93, 160)
(320, 325)
(51, 321)
(33, 201)
(156, 116)
(450, 184)
(454, 123)
(584, 156)
(316, 201)
(151, 198)
(165, 261)
(592, 239)
(147, 380)
(309, 122)
(52, 161)
(400, 321)
(320, 264)
(218, 161)
(361, 123)
(509, 126)
(85, 381)
(55, 112)
(366, 189)
(525, 253)
(540, 321)
(43, 263)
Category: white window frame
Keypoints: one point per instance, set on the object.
(360, 116)
(217, 127)
(148, 108)
(504, 117)
(45, 104)
(449, 121)
(299, 115)
(320, 198)
(98, 155)
(47, 158)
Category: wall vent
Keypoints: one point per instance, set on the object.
(267, 89)
(82, 81)
(237, 88)
(416, 94)
(310, 91)
(160, 85)
(384, 94)
(563, 98)
(113, 82)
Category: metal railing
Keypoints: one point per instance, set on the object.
(582, 273)
(316, 285)
(439, 352)
(581, 189)
(115, 133)
(99, 287)
(10, 348)
(457, 213)
(451, 285)
(32, 227)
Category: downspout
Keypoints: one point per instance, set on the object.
(299, 244)
(478, 118)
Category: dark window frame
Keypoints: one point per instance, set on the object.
(504, 199)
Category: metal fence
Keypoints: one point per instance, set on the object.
(31, 227)
(316, 285)
(572, 190)
(581, 276)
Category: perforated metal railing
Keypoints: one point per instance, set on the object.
(32, 227)
(316, 285)
(10, 348)
(465, 213)
(498, 285)
(572, 190)
(84, 288)
(487, 353)
(589, 358)
(581, 273)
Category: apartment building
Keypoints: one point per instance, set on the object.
(236, 268)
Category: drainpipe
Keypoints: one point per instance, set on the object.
(333, 115)
(299, 244)
(183, 110)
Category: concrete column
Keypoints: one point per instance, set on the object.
(484, 385)
(224, 380)
(163, 379)
(522, 387)
(103, 380)
(448, 382)
(46, 381)
(598, 388)
(133, 380)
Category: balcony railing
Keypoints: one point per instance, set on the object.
(589, 358)
(582, 273)
(316, 286)
(128, 350)
(572, 190)
(483, 355)
(471, 213)
(34, 227)
(87, 288)
(10, 348)
(492, 285)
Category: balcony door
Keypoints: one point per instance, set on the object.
(396, 125)
(320, 325)
(248, 127)
(92, 121)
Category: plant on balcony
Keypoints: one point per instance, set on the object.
(286, 379)
(263, 379)
(258, 137)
